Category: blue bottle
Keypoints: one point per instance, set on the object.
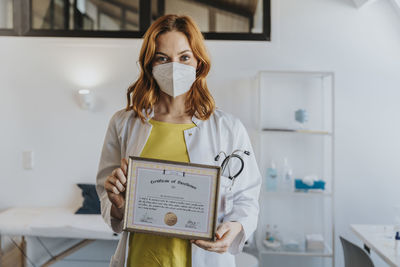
(272, 177)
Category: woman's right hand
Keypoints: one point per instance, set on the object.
(115, 187)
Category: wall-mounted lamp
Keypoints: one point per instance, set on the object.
(85, 97)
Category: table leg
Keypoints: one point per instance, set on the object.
(68, 252)
(15, 256)
(1, 254)
(23, 248)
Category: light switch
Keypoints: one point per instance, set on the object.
(27, 160)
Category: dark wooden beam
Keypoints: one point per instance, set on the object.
(160, 8)
(52, 7)
(123, 19)
(145, 15)
(251, 23)
(212, 20)
(76, 16)
(66, 14)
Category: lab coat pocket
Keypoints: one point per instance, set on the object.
(226, 198)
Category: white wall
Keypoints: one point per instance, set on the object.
(39, 77)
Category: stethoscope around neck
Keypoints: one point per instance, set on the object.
(225, 162)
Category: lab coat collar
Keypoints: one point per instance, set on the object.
(195, 120)
(151, 115)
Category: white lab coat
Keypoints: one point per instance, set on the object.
(127, 135)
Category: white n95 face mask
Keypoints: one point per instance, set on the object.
(174, 78)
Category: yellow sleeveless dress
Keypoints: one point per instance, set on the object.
(166, 141)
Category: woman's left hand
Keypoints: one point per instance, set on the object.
(225, 233)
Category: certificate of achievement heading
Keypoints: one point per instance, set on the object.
(171, 198)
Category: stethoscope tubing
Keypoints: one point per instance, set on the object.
(225, 164)
(228, 158)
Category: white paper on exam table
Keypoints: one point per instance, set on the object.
(54, 222)
(74, 225)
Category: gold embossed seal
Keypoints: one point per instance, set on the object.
(170, 218)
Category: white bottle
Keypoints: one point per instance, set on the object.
(268, 234)
(276, 234)
(287, 177)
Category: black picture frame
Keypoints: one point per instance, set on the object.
(23, 25)
(8, 32)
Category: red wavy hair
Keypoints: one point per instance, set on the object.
(144, 93)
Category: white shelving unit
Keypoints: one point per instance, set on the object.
(309, 149)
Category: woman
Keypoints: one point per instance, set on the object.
(171, 115)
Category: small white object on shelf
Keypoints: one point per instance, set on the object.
(291, 245)
(309, 179)
(314, 242)
(272, 245)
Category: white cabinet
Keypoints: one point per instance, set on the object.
(309, 150)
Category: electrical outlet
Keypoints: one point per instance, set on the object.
(27, 160)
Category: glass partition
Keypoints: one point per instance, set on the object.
(217, 19)
(86, 15)
(224, 16)
(6, 14)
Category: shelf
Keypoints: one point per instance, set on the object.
(308, 146)
(326, 253)
(300, 194)
(318, 74)
(302, 131)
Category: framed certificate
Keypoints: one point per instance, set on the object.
(171, 198)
